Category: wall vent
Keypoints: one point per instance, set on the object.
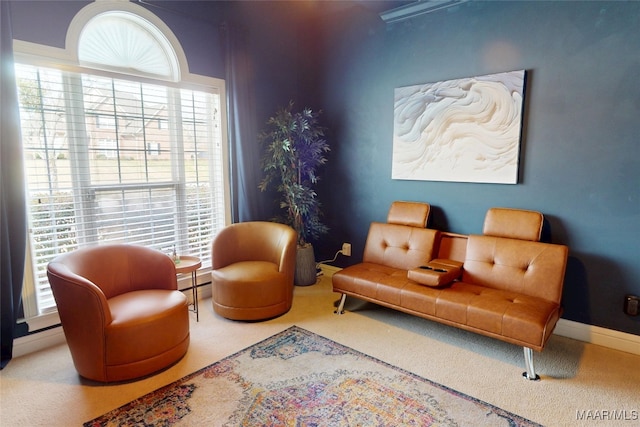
(417, 8)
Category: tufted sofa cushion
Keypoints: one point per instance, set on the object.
(399, 246)
(529, 268)
(509, 316)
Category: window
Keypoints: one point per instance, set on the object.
(113, 157)
(153, 148)
(105, 122)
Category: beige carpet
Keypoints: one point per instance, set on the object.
(582, 384)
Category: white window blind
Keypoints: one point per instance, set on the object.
(113, 160)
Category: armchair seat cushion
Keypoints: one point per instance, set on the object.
(249, 284)
(137, 316)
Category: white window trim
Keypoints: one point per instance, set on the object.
(95, 9)
(49, 56)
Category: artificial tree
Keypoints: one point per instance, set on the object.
(294, 149)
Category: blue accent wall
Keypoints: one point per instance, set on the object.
(580, 152)
(581, 137)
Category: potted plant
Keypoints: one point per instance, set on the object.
(294, 149)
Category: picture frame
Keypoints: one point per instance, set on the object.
(460, 130)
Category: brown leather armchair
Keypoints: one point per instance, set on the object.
(120, 309)
(253, 270)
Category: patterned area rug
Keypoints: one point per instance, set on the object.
(298, 378)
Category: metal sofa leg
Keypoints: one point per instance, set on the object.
(340, 309)
(530, 374)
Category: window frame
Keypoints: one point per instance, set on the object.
(67, 60)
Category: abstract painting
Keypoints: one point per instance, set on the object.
(462, 130)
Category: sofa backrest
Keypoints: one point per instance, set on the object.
(399, 246)
(530, 268)
(452, 246)
(403, 242)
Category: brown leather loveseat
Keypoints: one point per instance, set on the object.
(504, 284)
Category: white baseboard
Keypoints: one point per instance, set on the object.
(567, 328)
(38, 341)
(601, 336)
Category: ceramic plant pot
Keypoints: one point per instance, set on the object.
(305, 266)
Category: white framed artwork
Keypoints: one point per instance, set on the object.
(462, 130)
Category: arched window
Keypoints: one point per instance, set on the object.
(121, 143)
(125, 42)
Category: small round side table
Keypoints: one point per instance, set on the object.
(190, 264)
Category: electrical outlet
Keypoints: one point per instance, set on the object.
(631, 303)
(346, 249)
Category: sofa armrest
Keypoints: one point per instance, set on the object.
(436, 273)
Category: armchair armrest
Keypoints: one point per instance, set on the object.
(83, 311)
(77, 296)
